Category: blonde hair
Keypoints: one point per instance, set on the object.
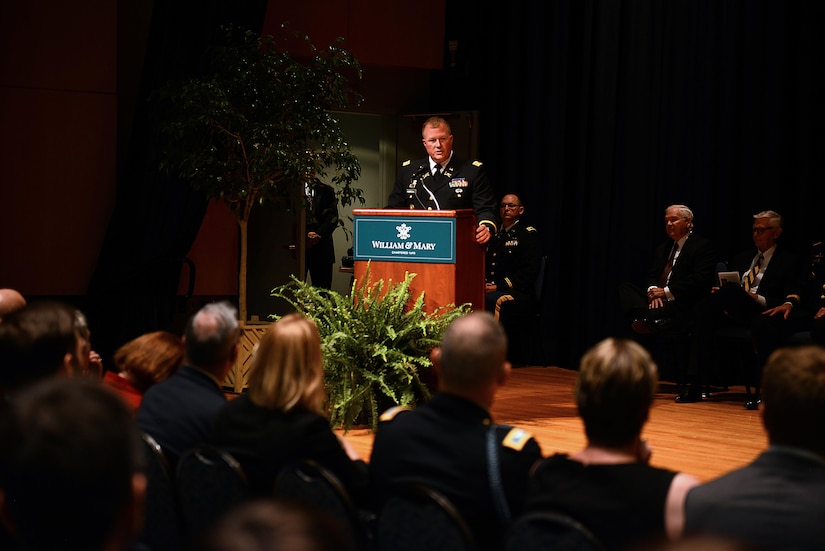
(435, 122)
(614, 390)
(287, 368)
(150, 358)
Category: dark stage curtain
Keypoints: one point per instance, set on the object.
(600, 114)
(156, 219)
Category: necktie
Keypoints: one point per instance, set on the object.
(436, 169)
(669, 266)
(751, 277)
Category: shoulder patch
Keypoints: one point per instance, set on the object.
(516, 439)
(477, 163)
(390, 414)
(531, 228)
(406, 163)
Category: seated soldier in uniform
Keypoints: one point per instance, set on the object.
(513, 258)
(513, 261)
(443, 444)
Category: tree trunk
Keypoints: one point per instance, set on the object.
(243, 223)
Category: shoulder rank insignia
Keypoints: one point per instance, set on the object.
(390, 414)
(407, 162)
(516, 439)
(477, 163)
(530, 228)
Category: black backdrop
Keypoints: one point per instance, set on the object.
(600, 114)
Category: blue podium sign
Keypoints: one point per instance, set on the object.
(413, 239)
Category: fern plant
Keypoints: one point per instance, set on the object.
(376, 344)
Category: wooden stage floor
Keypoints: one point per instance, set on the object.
(705, 439)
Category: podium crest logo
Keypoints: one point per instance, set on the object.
(403, 231)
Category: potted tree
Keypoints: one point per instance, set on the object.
(257, 126)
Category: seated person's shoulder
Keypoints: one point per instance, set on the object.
(392, 413)
(517, 439)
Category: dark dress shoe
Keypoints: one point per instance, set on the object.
(648, 326)
(689, 396)
(661, 324)
(752, 404)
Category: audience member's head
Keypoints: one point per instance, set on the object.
(150, 358)
(473, 355)
(287, 368)
(793, 397)
(83, 349)
(211, 338)
(10, 301)
(72, 467)
(270, 525)
(37, 341)
(614, 390)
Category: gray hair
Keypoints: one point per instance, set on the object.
(684, 211)
(775, 217)
(212, 334)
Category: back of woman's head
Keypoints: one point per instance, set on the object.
(287, 367)
(614, 391)
(150, 358)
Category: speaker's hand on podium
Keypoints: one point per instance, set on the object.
(483, 234)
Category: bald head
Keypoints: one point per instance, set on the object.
(10, 301)
(473, 352)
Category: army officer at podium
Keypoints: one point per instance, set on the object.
(443, 182)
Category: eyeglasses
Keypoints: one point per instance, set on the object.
(509, 206)
(760, 231)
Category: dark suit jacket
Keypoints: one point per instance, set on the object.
(780, 279)
(692, 276)
(776, 502)
(322, 218)
(462, 185)
(179, 411)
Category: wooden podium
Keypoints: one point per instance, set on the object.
(438, 246)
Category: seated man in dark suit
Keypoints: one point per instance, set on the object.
(776, 501)
(680, 276)
(770, 276)
(513, 260)
(450, 443)
(179, 411)
(772, 329)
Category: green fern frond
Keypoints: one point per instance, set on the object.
(376, 344)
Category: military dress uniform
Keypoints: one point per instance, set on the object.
(443, 444)
(513, 260)
(460, 185)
